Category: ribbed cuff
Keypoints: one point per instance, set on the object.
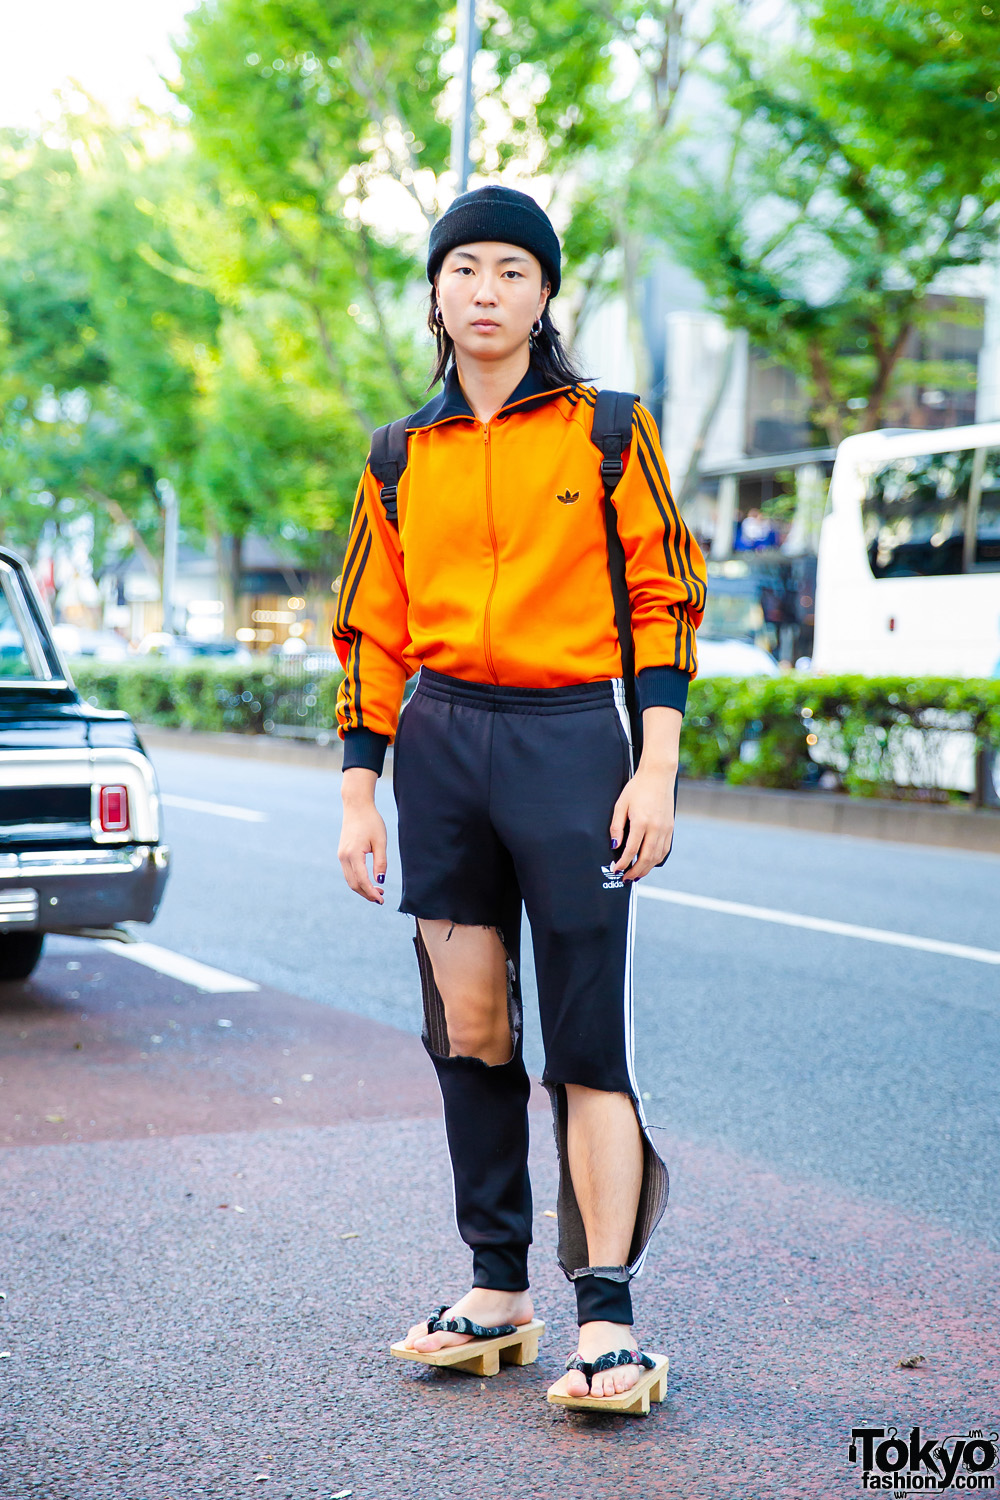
(663, 687)
(365, 748)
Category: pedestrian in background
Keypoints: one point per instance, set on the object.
(512, 768)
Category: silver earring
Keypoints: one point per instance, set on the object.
(536, 328)
(438, 318)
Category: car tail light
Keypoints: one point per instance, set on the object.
(114, 809)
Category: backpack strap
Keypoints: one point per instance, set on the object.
(611, 432)
(388, 460)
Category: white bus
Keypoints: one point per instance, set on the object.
(908, 578)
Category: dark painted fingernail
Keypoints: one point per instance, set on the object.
(380, 879)
(615, 843)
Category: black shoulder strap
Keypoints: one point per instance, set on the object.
(387, 462)
(611, 432)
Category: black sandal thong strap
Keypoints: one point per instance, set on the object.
(609, 1361)
(437, 1324)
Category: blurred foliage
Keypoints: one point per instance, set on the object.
(917, 81)
(304, 111)
(871, 731)
(882, 736)
(598, 84)
(232, 303)
(852, 166)
(123, 364)
(239, 700)
(319, 120)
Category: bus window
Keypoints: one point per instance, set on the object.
(914, 515)
(988, 519)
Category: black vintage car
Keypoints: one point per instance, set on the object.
(80, 848)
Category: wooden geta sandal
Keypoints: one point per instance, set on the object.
(505, 1343)
(634, 1402)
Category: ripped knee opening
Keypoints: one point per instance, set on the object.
(434, 1032)
(572, 1252)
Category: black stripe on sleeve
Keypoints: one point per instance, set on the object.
(356, 646)
(641, 451)
(674, 528)
(357, 578)
(674, 612)
(348, 685)
(348, 584)
(696, 591)
(358, 714)
(684, 639)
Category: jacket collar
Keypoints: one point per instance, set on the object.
(531, 391)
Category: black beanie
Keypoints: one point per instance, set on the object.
(496, 213)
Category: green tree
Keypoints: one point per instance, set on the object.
(593, 89)
(855, 166)
(918, 81)
(275, 455)
(324, 123)
(122, 365)
(310, 115)
(51, 360)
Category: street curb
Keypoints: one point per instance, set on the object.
(861, 817)
(812, 812)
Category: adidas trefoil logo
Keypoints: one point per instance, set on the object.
(569, 499)
(612, 878)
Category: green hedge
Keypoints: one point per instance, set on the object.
(242, 700)
(871, 732)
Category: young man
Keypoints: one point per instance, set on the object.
(513, 771)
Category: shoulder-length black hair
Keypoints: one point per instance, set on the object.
(548, 353)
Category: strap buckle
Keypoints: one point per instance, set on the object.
(389, 491)
(612, 466)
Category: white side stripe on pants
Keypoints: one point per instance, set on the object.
(628, 997)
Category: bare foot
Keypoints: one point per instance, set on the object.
(597, 1339)
(483, 1305)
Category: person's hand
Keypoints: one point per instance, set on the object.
(362, 833)
(647, 803)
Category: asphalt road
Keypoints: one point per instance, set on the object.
(219, 1207)
(849, 1061)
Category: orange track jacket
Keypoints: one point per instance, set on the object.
(499, 569)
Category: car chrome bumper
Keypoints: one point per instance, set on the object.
(57, 890)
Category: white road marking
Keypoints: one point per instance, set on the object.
(219, 809)
(187, 970)
(822, 924)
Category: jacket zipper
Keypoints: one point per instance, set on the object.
(496, 555)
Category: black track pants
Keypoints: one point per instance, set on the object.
(506, 795)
